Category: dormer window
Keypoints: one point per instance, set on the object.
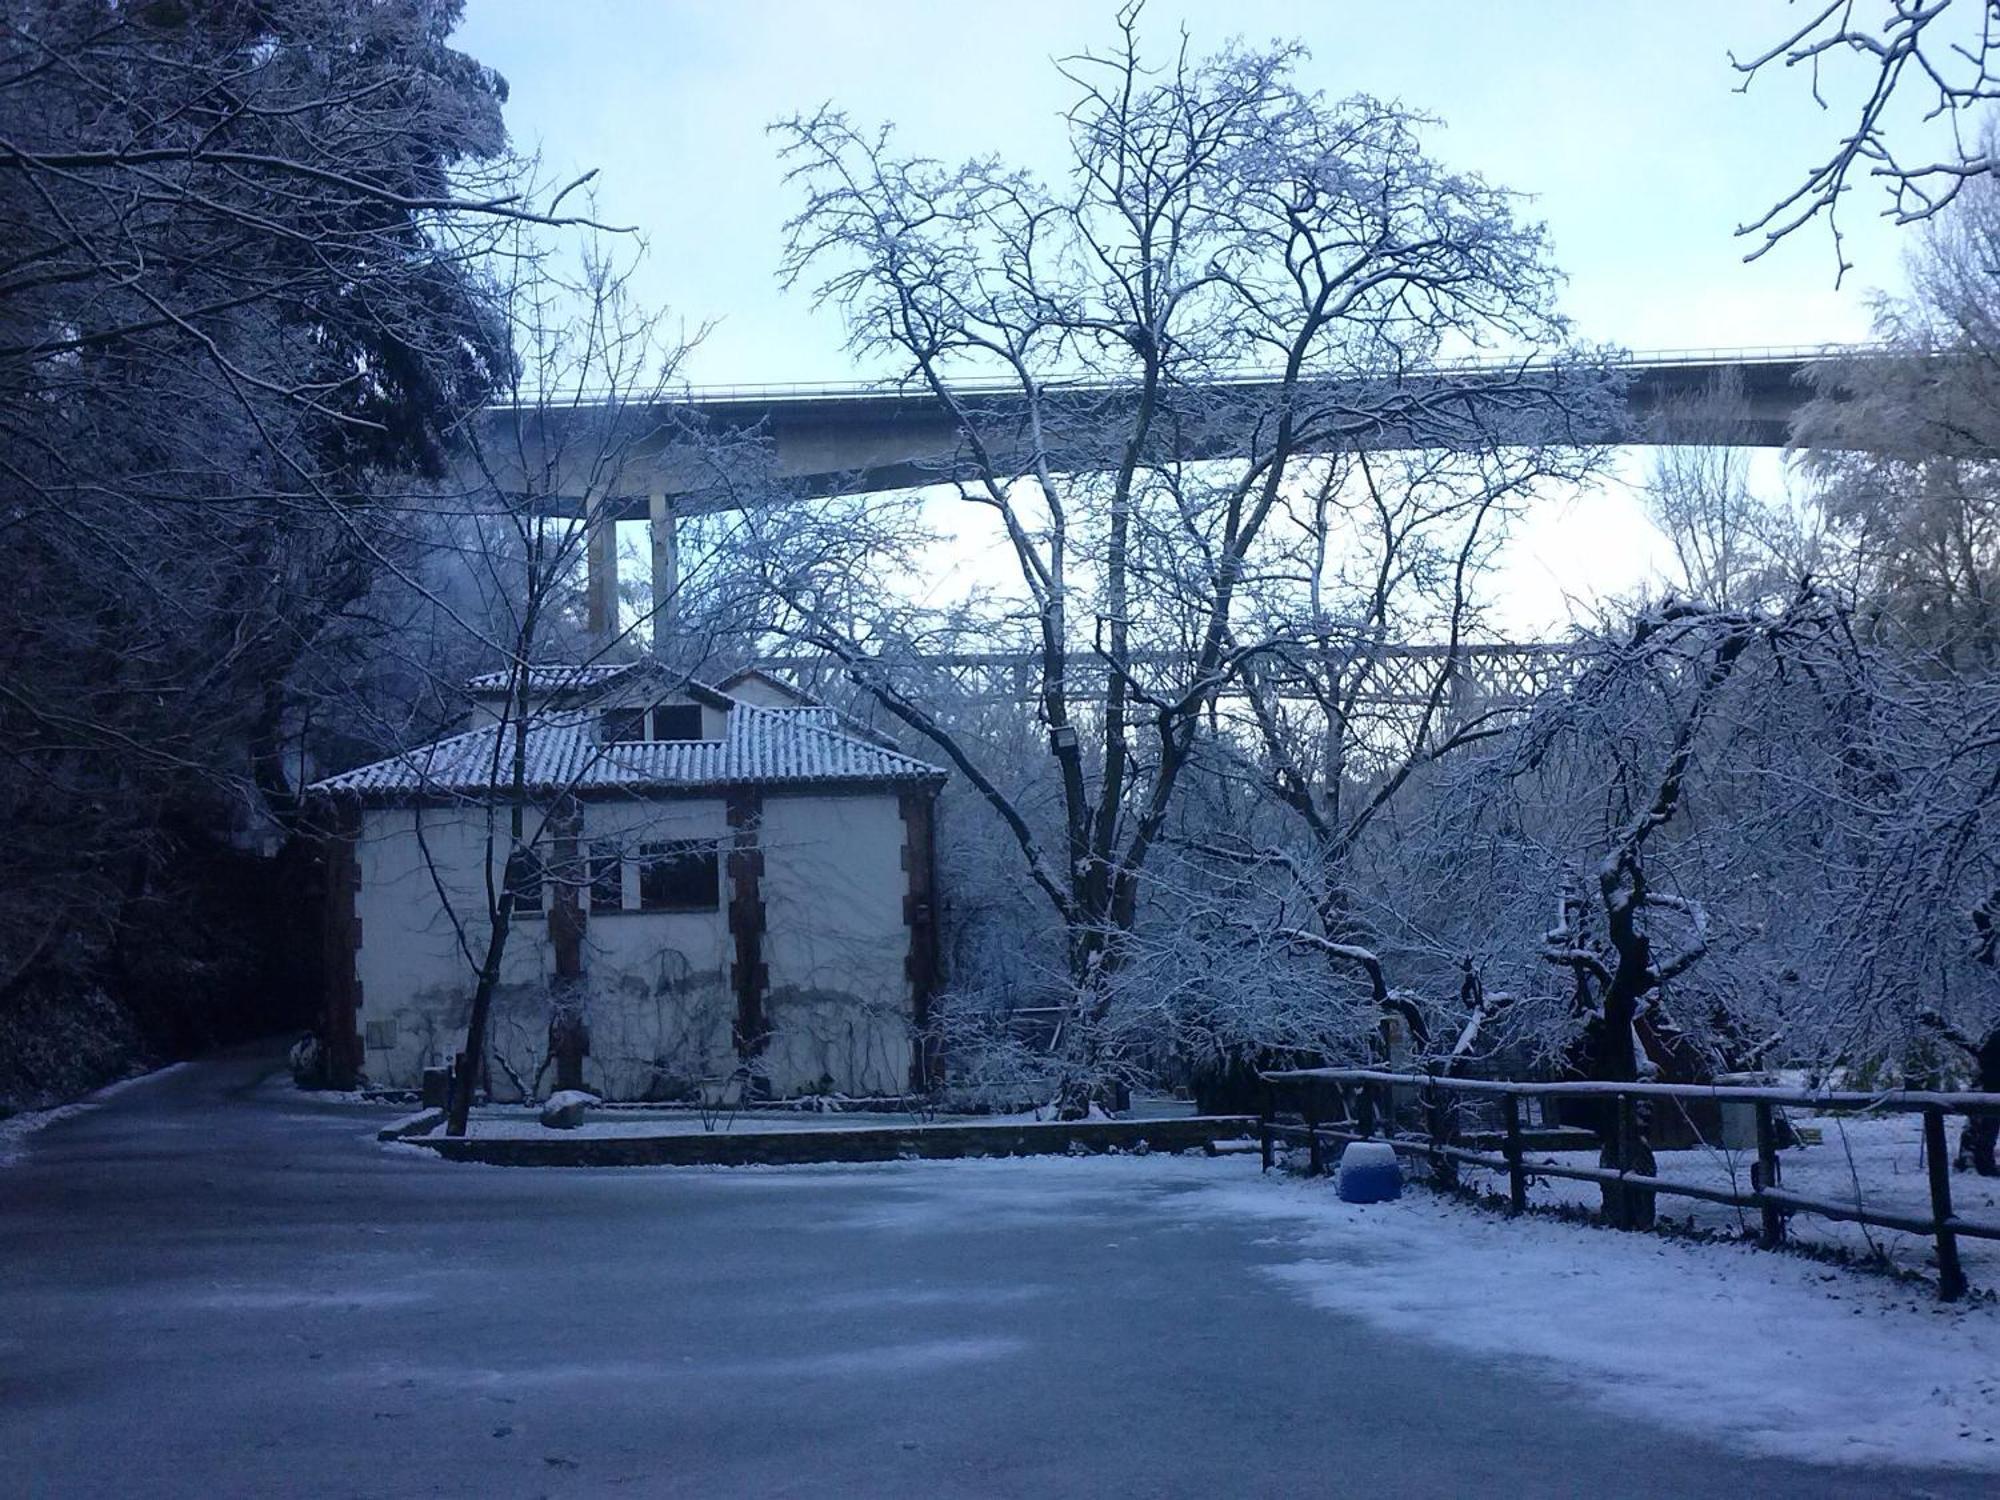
(677, 721)
(624, 725)
(667, 721)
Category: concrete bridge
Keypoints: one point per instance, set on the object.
(858, 438)
(659, 461)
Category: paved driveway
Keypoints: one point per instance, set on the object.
(211, 1287)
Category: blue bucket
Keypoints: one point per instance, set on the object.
(1369, 1173)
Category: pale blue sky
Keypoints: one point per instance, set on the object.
(1619, 116)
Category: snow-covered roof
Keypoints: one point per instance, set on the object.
(552, 677)
(760, 747)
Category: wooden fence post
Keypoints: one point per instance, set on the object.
(1517, 1172)
(1264, 1126)
(1626, 1149)
(1951, 1278)
(1773, 1234)
(1315, 1163)
(1437, 1108)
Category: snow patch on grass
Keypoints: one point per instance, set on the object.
(1874, 1160)
(1769, 1353)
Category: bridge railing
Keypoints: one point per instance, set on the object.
(892, 388)
(1368, 1112)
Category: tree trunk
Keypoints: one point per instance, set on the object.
(474, 1055)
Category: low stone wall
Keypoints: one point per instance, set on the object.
(874, 1143)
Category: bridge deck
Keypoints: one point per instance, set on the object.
(859, 437)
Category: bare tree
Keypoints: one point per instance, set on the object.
(1369, 681)
(1935, 57)
(1734, 546)
(1215, 219)
(1904, 449)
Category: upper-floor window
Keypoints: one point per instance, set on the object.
(680, 877)
(623, 725)
(668, 721)
(524, 879)
(677, 721)
(607, 882)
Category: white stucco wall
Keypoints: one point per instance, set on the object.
(835, 944)
(766, 694)
(661, 1005)
(416, 980)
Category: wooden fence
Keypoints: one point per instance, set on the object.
(1368, 1106)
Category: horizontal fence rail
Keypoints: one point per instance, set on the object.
(1368, 1105)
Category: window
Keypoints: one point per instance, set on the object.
(677, 721)
(624, 725)
(679, 877)
(524, 879)
(606, 878)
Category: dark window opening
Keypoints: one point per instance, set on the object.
(607, 891)
(680, 877)
(524, 879)
(622, 725)
(677, 721)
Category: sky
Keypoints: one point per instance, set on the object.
(1621, 119)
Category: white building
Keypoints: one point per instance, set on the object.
(713, 880)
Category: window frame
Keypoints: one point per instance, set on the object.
(658, 728)
(526, 874)
(614, 719)
(606, 871)
(705, 854)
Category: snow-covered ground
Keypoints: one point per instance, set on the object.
(1874, 1160)
(224, 1289)
(16, 1129)
(1772, 1354)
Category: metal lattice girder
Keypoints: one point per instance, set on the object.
(1486, 676)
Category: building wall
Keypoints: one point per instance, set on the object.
(835, 944)
(416, 980)
(661, 988)
(660, 1005)
(764, 693)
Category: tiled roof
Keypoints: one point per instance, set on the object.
(762, 747)
(549, 677)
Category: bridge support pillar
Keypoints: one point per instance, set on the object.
(664, 527)
(600, 579)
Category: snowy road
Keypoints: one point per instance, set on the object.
(208, 1288)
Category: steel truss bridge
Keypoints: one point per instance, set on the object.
(1485, 676)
